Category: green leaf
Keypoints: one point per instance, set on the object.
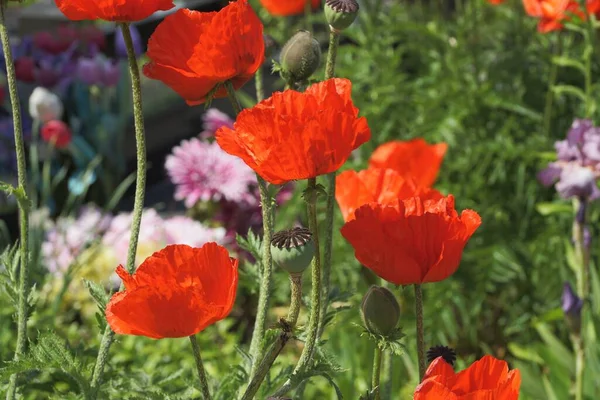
(98, 293)
(570, 90)
(563, 61)
(548, 208)
(252, 243)
(525, 353)
(558, 349)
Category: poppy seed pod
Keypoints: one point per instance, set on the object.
(301, 56)
(293, 249)
(380, 311)
(340, 14)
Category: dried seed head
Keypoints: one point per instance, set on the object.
(341, 14)
(293, 249)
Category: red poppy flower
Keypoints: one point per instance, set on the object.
(376, 185)
(294, 135)
(414, 158)
(286, 8)
(488, 378)
(192, 52)
(112, 10)
(57, 133)
(496, 2)
(552, 12)
(413, 241)
(176, 292)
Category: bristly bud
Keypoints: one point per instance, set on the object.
(300, 57)
(380, 311)
(340, 14)
(447, 353)
(293, 249)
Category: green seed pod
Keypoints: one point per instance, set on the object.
(380, 311)
(340, 14)
(301, 56)
(293, 249)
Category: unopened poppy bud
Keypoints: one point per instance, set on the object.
(340, 14)
(293, 249)
(301, 56)
(380, 311)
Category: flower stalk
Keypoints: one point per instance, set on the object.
(295, 299)
(583, 289)
(200, 368)
(334, 40)
(420, 331)
(266, 201)
(23, 200)
(375, 386)
(138, 205)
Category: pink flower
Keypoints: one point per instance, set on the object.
(184, 230)
(204, 172)
(213, 120)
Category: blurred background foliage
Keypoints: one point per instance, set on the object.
(467, 73)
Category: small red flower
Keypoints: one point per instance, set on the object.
(413, 158)
(413, 241)
(488, 378)
(55, 42)
(376, 185)
(285, 8)
(112, 10)
(25, 69)
(496, 2)
(294, 135)
(176, 292)
(552, 13)
(192, 52)
(56, 133)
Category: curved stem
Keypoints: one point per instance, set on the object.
(256, 344)
(420, 331)
(200, 368)
(315, 311)
(22, 310)
(375, 386)
(138, 204)
(334, 40)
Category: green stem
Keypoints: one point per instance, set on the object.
(334, 40)
(315, 311)
(276, 348)
(200, 368)
(259, 82)
(376, 373)
(388, 373)
(256, 344)
(307, 14)
(22, 310)
(138, 204)
(420, 331)
(295, 298)
(579, 365)
(551, 82)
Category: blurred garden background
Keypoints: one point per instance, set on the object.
(475, 75)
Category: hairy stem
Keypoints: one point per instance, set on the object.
(256, 344)
(334, 40)
(295, 299)
(375, 386)
(138, 204)
(315, 311)
(420, 331)
(200, 368)
(260, 84)
(22, 311)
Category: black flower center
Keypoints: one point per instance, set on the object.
(447, 353)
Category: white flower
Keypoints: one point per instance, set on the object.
(44, 105)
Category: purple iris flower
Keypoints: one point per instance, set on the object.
(571, 306)
(578, 163)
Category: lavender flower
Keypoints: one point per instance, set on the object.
(578, 165)
(98, 71)
(204, 172)
(571, 306)
(214, 119)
